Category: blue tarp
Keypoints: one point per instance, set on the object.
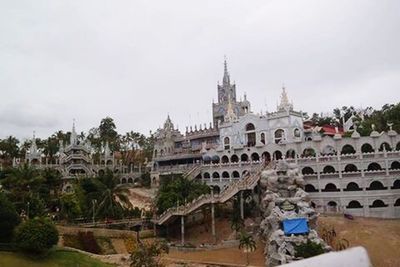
(295, 226)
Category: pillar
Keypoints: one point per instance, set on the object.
(241, 205)
(182, 230)
(213, 223)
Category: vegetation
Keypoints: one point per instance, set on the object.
(9, 219)
(247, 243)
(179, 191)
(59, 258)
(148, 255)
(308, 249)
(330, 237)
(36, 236)
(389, 113)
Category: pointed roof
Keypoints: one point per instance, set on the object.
(168, 125)
(226, 79)
(33, 147)
(285, 104)
(74, 137)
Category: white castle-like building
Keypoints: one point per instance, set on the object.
(76, 159)
(359, 175)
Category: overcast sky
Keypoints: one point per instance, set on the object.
(137, 61)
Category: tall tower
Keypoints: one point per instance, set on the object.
(227, 100)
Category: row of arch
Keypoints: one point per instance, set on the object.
(307, 152)
(128, 180)
(353, 186)
(355, 204)
(224, 174)
(395, 165)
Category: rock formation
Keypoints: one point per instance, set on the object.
(283, 198)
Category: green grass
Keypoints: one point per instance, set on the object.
(57, 258)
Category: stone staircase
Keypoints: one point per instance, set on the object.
(248, 182)
(193, 172)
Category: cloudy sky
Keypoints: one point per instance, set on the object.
(137, 61)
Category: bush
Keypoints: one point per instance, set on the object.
(36, 236)
(309, 249)
(9, 219)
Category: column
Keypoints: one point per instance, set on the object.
(213, 223)
(241, 205)
(182, 230)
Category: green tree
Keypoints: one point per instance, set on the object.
(36, 236)
(148, 255)
(9, 149)
(9, 218)
(178, 190)
(308, 249)
(247, 243)
(114, 198)
(70, 207)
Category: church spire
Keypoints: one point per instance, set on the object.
(285, 104)
(73, 138)
(226, 79)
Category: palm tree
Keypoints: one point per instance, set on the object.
(114, 198)
(247, 243)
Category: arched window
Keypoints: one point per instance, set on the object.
(328, 169)
(366, 148)
(308, 152)
(251, 135)
(291, 154)
(266, 156)
(352, 187)
(354, 204)
(250, 127)
(216, 190)
(255, 157)
(244, 158)
(398, 146)
(348, 149)
(225, 159)
(155, 153)
(262, 139)
(374, 167)
(307, 170)
(397, 203)
(277, 155)
(378, 204)
(395, 165)
(350, 168)
(332, 204)
(330, 188)
(296, 133)
(396, 184)
(215, 175)
(130, 181)
(162, 152)
(386, 146)
(225, 175)
(279, 136)
(235, 174)
(206, 175)
(376, 185)
(310, 188)
(123, 180)
(227, 143)
(234, 158)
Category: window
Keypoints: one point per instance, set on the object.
(227, 143)
(279, 136)
(296, 133)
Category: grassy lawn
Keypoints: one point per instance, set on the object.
(57, 258)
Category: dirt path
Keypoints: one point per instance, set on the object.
(380, 237)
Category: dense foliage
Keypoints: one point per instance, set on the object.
(178, 191)
(148, 255)
(9, 219)
(36, 236)
(388, 114)
(309, 249)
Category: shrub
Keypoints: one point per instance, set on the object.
(309, 249)
(36, 235)
(9, 219)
